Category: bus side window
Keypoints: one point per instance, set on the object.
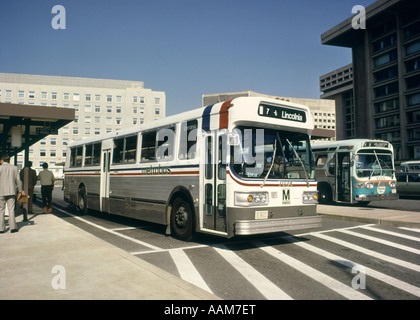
(331, 166)
(321, 160)
(118, 150)
(188, 140)
(148, 146)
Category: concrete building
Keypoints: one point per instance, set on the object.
(386, 75)
(338, 86)
(100, 106)
(322, 110)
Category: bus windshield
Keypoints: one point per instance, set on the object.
(271, 154)
(370, 163)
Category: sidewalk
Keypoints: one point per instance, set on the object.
(387, 217)
(94, 269)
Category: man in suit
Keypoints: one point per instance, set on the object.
(9, 182)
(29, 179)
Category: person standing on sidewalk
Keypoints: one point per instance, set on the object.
(9, 183)
(29, 179)
(47, 186)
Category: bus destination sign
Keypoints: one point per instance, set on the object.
(281, 113)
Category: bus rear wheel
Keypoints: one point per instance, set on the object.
(182, 220)
(325, 196)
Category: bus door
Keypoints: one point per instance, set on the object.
(213, 176)
(105, 168)
(343, 177)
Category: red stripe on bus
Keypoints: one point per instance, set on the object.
(224, 115)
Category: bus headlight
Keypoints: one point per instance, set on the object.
(369, 185)
(310, 197)
(246, 199)
(392, 184)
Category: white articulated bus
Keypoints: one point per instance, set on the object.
(239, 167)
(355, 171)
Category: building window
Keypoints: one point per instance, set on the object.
(53, 141)
(97, 97)
(118, 98)
(109, 98)
(53, 153)
(87, 131)
(135, 99)
(413, 65)
(97, 131)
(141, 99)
(413, 82)
(413, 99)
(31, 95)
(118, 120)
(157, 101)
(87, 97)
(109, 109)
(42, 153)
(108, 120)
(118, 109)
(87, 119)
(43, 95)
(386, 89)
(76, 97)
(75, 130)
(97, 119)
(8, 93)
(386, 74)
(387, 105)
(413, 48)
(157, 111)
(21, 94)
(97, 109)
(134, 120)
(385, 58)
(388, 122)
(88, 108)
(66, 96)
(385, 43)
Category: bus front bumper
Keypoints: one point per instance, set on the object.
(249, 227)
(375, 197)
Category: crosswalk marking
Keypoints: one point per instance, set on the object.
(187, 270)
(400, 235)
(372, 253)
(327, 281)
(385, 242)
(350, 264)
(260, 282)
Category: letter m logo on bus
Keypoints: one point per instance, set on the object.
(286, 196)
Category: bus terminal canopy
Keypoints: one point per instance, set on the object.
(23, 125)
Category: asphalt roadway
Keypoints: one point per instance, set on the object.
(51, 259)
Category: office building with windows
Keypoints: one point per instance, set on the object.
(385, 100)
(100, 105)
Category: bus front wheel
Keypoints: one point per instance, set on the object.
(182, 220)
(82, 201)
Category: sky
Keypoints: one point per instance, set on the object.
(185, 48)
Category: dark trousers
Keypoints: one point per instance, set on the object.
(46, 192)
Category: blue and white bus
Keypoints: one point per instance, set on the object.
(355, 171)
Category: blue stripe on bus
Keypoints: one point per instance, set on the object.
(206, 117)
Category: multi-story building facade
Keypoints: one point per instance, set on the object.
(100, 106)
(338, 86)
(386, 74)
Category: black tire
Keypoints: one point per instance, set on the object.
(82, 202)
(182, 220)
(325, 195)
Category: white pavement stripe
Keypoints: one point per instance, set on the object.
(396, 234)
(111, 231)
(350, 264)
(372, 253)
(261, 283)
(410, 229)
(385, 242)
(187, 270)
(335, 285)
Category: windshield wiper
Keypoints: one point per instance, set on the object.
(379, 163)
(301, 162)
(272, 163)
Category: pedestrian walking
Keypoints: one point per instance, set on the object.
(29, 179)
(47, 186)
(9, 184)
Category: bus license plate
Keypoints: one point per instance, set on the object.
(261, 215)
